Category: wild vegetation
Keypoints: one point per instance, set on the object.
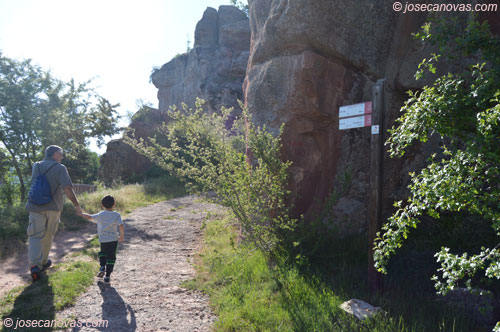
(264, 270)
(463, 109)
(208, 151)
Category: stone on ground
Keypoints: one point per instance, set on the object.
(360, 309)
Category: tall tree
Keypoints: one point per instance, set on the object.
(21, 89)
(37, 110)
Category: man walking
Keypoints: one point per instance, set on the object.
(44, 219)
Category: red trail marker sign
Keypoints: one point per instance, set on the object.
(355, 116)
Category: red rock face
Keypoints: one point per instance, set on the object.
(310, 133)
(121, 162)
(308, 58)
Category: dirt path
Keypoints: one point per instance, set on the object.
(145, 292)
(14, 269)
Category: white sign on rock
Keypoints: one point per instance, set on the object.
(355, 122)
(355, 110)
(355, 116)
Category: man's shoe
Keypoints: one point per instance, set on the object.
(102, 270)
(46, 265)
(36, 274)
(107, 280)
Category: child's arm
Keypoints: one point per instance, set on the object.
(122, 232)
(85, 215)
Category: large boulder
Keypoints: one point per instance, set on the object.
(121, 161)
(308, 58)
(214, 69)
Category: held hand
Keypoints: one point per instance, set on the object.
(120, 239)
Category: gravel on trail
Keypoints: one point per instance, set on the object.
(145, 292)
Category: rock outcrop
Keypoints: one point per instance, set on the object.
(308, 58)
(213, 70)
(121, 161)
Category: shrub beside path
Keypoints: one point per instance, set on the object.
(145, 292)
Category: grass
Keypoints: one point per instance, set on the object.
(248, 294)
(132, 196)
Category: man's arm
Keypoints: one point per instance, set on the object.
(72, 197)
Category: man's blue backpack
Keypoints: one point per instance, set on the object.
(40, 192)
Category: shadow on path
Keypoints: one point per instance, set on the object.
(36, 302)
(115, 310)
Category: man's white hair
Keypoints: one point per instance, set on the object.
(51, 149)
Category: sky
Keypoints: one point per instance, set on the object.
(115, 43)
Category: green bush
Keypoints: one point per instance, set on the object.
(166, 185)
(463, 109)
(208, 152)
(13, 222)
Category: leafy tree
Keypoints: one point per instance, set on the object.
(463, 108)
(37, 110)
(82, 164)
(21, 85)
(243, 5)
(8, 188)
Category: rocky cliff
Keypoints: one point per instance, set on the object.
(308, 58)
(213, 70)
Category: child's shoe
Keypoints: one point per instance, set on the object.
(102, 270)
(107, 280)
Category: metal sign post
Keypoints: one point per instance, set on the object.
(375, 201)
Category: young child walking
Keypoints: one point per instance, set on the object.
(107, 223)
